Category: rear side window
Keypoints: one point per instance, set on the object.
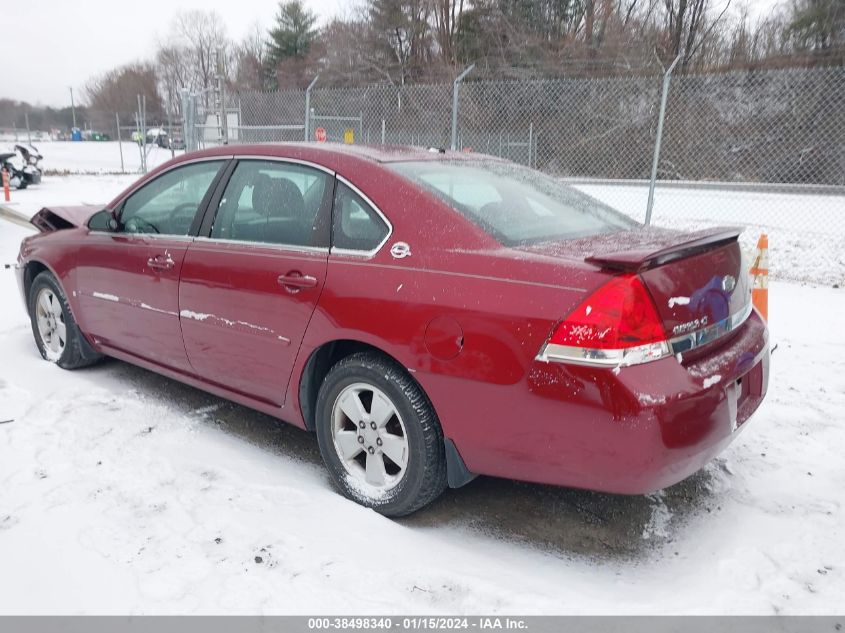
(272, 202)
(356, 226)
(514, 204)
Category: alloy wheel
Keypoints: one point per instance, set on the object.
(50, 319)
(369, 436)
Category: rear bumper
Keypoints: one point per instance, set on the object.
(634, 431)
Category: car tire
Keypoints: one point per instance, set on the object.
(364, 378)
(56, 333)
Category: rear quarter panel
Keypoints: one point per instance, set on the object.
(461, 311)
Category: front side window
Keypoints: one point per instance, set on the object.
(512, 203)
(355, 224)
(272, 202)
(168, 204)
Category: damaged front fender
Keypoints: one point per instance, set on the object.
(59, 218)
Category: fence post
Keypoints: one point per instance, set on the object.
(455, 105)
(144, 127)
(382, 131)
(170, 133)
(28, 133)
(530, 140)
(221, 94)
(185, 122)
(667, 78)
(308, 108)
(119, 140)
(142, 142)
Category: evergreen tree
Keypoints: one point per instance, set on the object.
(293, 34)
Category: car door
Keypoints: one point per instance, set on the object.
(128, 277)
(250, 285)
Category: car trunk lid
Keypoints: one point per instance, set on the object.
(695, 279)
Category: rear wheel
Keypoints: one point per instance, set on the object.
(379, 436)
(56, 334)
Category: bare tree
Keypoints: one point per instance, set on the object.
(250, 59)
(174, 69)
(447, 17)
(689, 24)
(117, 92)
(400, 38)
(201, 33)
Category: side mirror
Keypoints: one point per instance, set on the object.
(103, 221)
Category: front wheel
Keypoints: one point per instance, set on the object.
(56, 334)
(379, 435)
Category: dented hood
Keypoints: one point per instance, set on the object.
(58, 218)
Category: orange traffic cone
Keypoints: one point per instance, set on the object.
(760, 273)
(5, 177)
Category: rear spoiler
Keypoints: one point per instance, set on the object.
(639, 260)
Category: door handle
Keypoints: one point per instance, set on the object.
(159, 263)
(294, 281)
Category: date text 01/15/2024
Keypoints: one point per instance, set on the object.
(417, 623)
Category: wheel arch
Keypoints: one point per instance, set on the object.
(320, 361)
(324, 357)
(32, 269)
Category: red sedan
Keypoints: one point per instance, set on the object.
(430, 316)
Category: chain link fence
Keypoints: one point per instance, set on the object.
(764, 149)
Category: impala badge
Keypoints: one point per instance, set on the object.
(400, 250)
(728, 283)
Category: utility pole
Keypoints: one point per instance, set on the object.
(72, 107)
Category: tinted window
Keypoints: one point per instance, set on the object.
(355, 224)
(514, 204)
(272, 202)
(167, 205)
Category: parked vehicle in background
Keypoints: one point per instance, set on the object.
(431, 316)
(31, 158)
(158, 137)
(22, 165)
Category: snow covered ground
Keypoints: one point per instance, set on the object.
(806, 232)
(124, 492)
(92, 157)
(68, 190)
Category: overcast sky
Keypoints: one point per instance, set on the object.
(50, 45)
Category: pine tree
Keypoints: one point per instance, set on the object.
(293, 34)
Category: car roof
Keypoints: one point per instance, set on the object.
(329, 151)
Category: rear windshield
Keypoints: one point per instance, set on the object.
(514, 204)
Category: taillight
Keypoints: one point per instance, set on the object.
(617, 325)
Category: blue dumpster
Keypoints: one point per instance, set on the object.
(76, 134)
